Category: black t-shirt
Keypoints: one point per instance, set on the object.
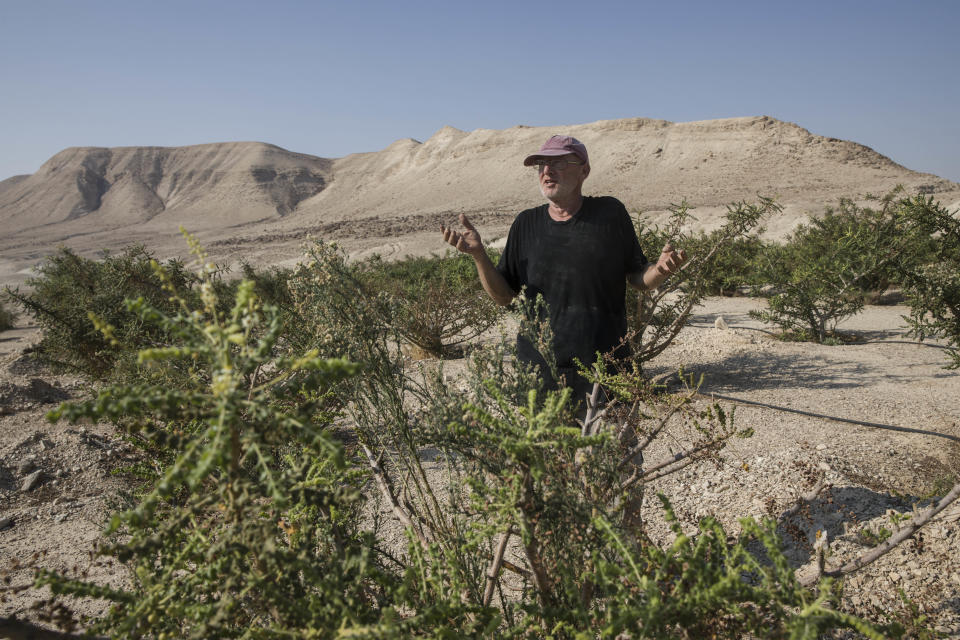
(579, 266)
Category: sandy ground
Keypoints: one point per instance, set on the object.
(873, 472)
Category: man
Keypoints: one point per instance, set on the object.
(577, 252)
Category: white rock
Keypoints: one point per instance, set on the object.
(32, 481)
(720, 323)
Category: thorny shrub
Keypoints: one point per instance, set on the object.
(440, 304)
(70, 288)
(263, 541)
(824, 271)
(7, 316)
(656, 317)
(521, 526)
(932, 280)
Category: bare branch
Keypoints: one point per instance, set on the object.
(804, 498)
(891, 542)
(651, 473)
(654, 432)
(494, 571)
(383, 482)
(592, 416)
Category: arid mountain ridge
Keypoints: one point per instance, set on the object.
(256, 201)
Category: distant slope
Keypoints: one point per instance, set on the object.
(250, 200)
(208, 185)
(646, 163)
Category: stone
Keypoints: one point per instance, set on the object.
(720, 323)
(60, 518)
(821, 447)
(25, 466)
(6, 521)
(32, 481)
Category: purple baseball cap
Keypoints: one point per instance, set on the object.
(558, 146)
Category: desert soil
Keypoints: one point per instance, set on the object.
(872, 473)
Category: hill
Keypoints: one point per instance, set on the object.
(256, 201)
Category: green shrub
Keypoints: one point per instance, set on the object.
(270, 285)
(656, 317)
(932, 279)
(824, 271)
(7, 317)
(439, 301)
(70, 288)
(262, 539)
(734, 265)
(256, 530)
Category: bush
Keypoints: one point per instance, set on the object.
(734, 266)
(656, 317)
(440, 303)
(255, 530)
(824, 271)
(262, 536)
(70, 289)
(7, 317)
(932, 279)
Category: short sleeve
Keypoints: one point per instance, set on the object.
(635, 261)
(509, 263)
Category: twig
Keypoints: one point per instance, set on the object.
(520, 571)
(803, 498)
(591, 416)
(384, 484)
(640, 446)
(650, 473)
(894, 540)
(494, 571)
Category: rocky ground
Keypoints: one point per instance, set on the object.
(58, 483)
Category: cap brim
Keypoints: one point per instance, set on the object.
(529, 161)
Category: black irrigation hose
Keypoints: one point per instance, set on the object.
(874, 425)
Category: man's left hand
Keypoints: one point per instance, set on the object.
(670, 260)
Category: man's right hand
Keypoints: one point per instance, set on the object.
(467, 242)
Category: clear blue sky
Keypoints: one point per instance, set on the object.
(332, 78)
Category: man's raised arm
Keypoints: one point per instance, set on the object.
(469, 242)
(654, 275)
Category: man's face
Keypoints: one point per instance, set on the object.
(562, 177)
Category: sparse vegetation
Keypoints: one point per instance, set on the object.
(7, 316)
(655, 318)
(280, 439)
(69, 289)
(439, 303)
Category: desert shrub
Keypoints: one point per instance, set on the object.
(263, 542)
(69, 288)
(266, 539)
(931, 279)
(824, 271)
(656, 317)
(270, 285)
(516, 470)
(7, 316)
(734, 266)
(440, 303)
